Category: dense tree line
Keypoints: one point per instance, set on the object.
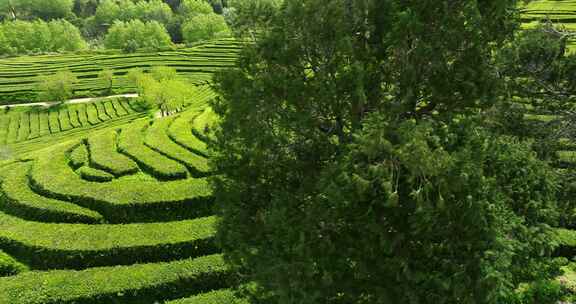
(135, 34)
(184, 20)
(368, 154)
(20, 37)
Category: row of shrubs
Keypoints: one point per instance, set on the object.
(131, 143)
(124, 200)
(155, 283)
(30, 123)
(79, 246)
(158, 140)
(104, 155)
(16, 198)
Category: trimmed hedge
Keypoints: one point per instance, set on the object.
(222, 296)
(204, 122)
(145, 283)
(20, 125)
(132, 144)
(180, 131)
(567, 246)
(19, 76)
(9, 266)
(94, 175)
(127, 199)
(157, 139)
(79, 246)
(18, 199)
(104, 155)
(78, 156)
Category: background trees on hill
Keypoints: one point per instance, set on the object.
(110, 11)
(190, 8)
(21, 37)
(31, 9)
(94, 18)
(355, 167)
(133, 35)
(204, 27)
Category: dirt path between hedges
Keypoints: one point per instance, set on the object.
(71, 101)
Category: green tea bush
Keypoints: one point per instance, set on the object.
(9, 266)
(79, 246)
(158, 140)
(131, 144)
(18, 199)
(104, 155)
(94, 175)
(117, 284)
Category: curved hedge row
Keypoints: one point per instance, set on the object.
(48, 246)
(18, 199)
(101, 204)
(19, 77)
(154, 283)
(132, 144)
(157, 139)
(222, 296)
(104, 155)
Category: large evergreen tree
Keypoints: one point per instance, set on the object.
(352, 166)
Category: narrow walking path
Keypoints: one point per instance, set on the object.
(71, 101)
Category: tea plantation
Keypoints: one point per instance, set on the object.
(20, 76)
(117, 215)
(106, 201)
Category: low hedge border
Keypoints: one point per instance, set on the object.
(122, 200)
(104, 155)
(17, 199)
(157, 139)
(54, 246)
(144, 283)
(131, 144)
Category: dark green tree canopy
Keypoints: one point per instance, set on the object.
(351, 172)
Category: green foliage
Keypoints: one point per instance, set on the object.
(94, 175)
(542, 292)
(162, 89)
(214, 297)
(349, 120)
(248, 17)
(32, 9)
(104, 155)
(9, 266)
(196, 64)
(107, 76)
(161, 73)
(158, 140)
(110, 11)
(58, 87)
(117, 200)
(204, 27)
(132, 35)
(78, 246)
(21, 37)
(132, 144)
(18, 199)
(190, 8)
(117, 284)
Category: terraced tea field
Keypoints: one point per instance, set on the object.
(20, 76)
(117, 215)
(561, 12)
